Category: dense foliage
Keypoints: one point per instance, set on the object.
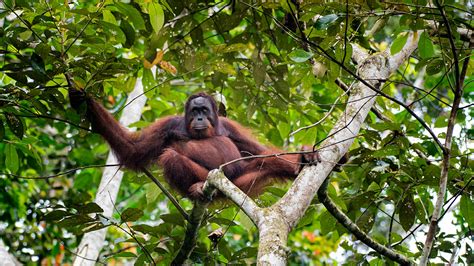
(279, 66)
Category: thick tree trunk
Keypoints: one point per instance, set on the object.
(92, 242)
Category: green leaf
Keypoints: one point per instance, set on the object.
(173, 218)
(224, 249)
(398, 43)
(15, 124)
(129, 33)
(125, 255)
(246, 252)
(407, 212)
(327, 221)
(467, 209)
(75, 220)
(43, 50)
(373, 187)
(11, 158)
(325, 21)
(132, 15)
(435, 66)
(109, 17)
(131, 214)
(425, 46)
(307, 218)
(386, 151)
(90, 207)
(421, 212)
(222, 221)
(157, 16)
(146, 229)
(366, 221)
(37, 63)
(55, 215)
(259, 72)
(300, 56)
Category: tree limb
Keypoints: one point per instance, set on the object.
(355, 230)
(217, 179)
(443, 180)
(192, 230)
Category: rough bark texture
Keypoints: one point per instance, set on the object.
(273, 234)
(6, 259)
(91, 244)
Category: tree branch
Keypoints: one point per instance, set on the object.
(167, 193)
(443, 180)
(217, 179)
(355, 230)
(372, 70)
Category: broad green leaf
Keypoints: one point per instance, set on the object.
(373, 187)
(398, 43)
(90, 207)
(15, 124)
(222, 221)
(467, 209)
(43, 49)
(421, 211)
(173, 218)
(151, 192)
(246, 252)
(327, 222)
(109, 17)
(259, 72)
(74, 220)
(55, 215)
(125, 254)
(324, 22)
(434, 66)
(425, 46)
(307, 218)
(157, 16)
(129, 33)
(366, 221)
(224, 249)
(11, 158)
(224, 67)
(144, 228)
(132, 15)
(131, 215)
(387, 151)
(407, 212)
(300, 56)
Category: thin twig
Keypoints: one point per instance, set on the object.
(167, 193)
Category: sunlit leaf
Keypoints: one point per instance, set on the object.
(157, 16)
(398, 43)
(11, 158)
(300, 56)
(132, 14)
(425, 46)
(467, 209)
(324, 21)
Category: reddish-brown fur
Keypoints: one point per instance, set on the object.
(187, 156)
